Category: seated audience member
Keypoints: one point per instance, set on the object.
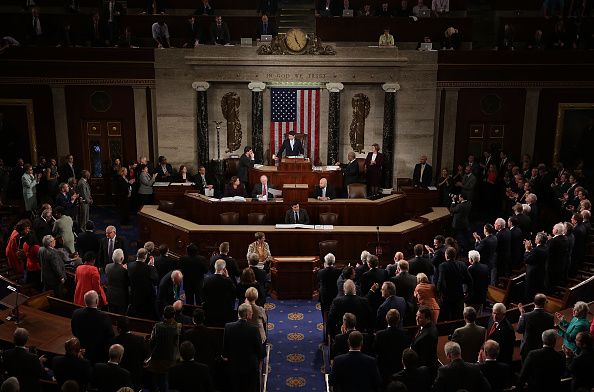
(87, 278)
(171, 289)
(72, 365)
(93, 328)
(203, 180)
(234, 188)
(340, 342)
(580, 366)
(265, 27)
(20, 363)
(164, 342)
(259, 317)
(403, 9)
(425, 340)
(452, 40)
(440, 7)
(543, 368)
(262, 188)
(532, 324)
(296, 215)
(267, 7)
(479, 273)
(384, 10)
(500, 330)
(470, 337)
(416, 10)
(180, 317)
(190, 375)
(505, 41)
(218, 295)
(366, 10)
(386, 39)
(420, 263)
(219, 32)
(389, 345)
(459, 375)
(323, 191)
(349, 303)
(205, 8)
(569, 329)
(242, 350)
(261, 248)
(110, 376)
(496, 372)
(118, 284)
(135, 350)
(160, 33)
(426, 295)
(416, 378)
(193, 267)
(355, 371)
(391, 301)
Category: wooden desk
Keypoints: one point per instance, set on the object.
(296, 192)
(174, 193)
(293, 277)
(418, 199)
(278, 177)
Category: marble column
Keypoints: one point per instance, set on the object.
(333, 121)
(60, 121)
(388, 132)
(258, 120)
(202, 122)
(449, 128)
(530, 120)
(141, 122)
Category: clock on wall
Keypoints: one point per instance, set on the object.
(296, 40)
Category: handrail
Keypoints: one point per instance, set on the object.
(327, 379)
(267, 364)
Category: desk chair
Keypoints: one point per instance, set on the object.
(328, 218)
(229, 218)
(328, 246)
(357, 190)
(256, 218)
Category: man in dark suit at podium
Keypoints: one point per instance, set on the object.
(350, 171)
(423, 173)
(296, 215)
(323, 191)
(291, 146)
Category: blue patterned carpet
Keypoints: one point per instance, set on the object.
(295, 332)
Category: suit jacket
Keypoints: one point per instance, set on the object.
(291, 152)
(392, 302)
(202, 10)
(218, 296)
(525, 224)
(303, 218)
(460, 375)
(468, 184)
(165, 293)
(94, 330)
(219, 35)
(497, 373)
(63, 228)
(452, 275)
(70, 367)
(581, 371)
(193, 33)
(405, 283)
(374, 172)
(25, 366)
(242, 345)
(471, 338)
(503, 249)
(118, 285)
(425, 345)
(66, 171)
(536, 261)
(42, 228)
(269, 29)
(257, 190)
(480, 276)
(245, 164)
(460, 213)
(542, 370)
(84, 191)
(532, 325)
(374, 275)
(421, 264)
(487, 247)
(329, 192)
(143, 279)
(87, 241)
(416, 379)
(52, 267)
(352, 304)
(427, 175)
(558, 261)
(135, 352)
(437, 258)
(355, 372)
(103, 258)
(388, 346)
(164, 264)
(505, 336)
(340, 344)
(328, 290)
(161, 174)
(350, 172)
(190, 376)
(109, 377)
(193, 269)
(230, 264)
(516, 246)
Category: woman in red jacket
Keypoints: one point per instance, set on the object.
(14, 248)
(87, 278)
(31, 249)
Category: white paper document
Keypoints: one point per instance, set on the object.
(160, 183)
(293, 226)
(234, 198)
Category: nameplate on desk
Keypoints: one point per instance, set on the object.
(332, 168)
(432, 188)
(161, 183)
(324, 227)
(213, 199)
(293, 226)
(182, 183)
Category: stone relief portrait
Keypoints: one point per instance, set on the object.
(230, 109)
(361, 106)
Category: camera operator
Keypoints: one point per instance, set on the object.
(460, 210)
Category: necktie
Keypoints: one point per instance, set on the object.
(493, 328)
(292, 144)
(422, 170)
(266, 28)
(323, 192)
(110, 248)
(296, 217)
(264, 191)
(418, 333)
(203, 182)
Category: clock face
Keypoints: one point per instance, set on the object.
(296, 40)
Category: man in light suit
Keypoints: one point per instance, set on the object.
(296, 215)
(459, 375)
(85, 200)
(291, 146)
(53, 274)
(533, 324)
(423, 173)
(470, 337)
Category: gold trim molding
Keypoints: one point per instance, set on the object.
(559, 129)
(28, 104)
(515, 84)
(79, 81)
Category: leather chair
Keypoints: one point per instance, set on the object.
(328, 246)
(229, 218)
(328, 218)
(357, 190)
(256, 218)
(166, 206)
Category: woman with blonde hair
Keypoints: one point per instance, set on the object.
(426, 295)
(259, 318)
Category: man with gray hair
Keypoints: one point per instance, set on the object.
(327, 278)
(111, 376)
(219, 296)
(503, 247)
(536, 259)
(11, 384)
(500, 330)
(118, 283)
(143, 279)
(497, 373)
(53, 273)
(533, 324)
(458, 374)
(471, 336)
(558, 262)
(350, 302)
(391, 301)
(171, 289)
(242, 350)
(543, 368)
(479, 272)
(107, 245)
(362, 266)
(93, 328)
(20, 363)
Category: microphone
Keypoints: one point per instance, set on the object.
(378, 247)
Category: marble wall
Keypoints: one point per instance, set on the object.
(361, 71)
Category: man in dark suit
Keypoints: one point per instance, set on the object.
(476, 296)
(111, 14)
(87, 241)
(533, 324)
(190, 375)
(543, 368)
(416, 378)
(327, 277)
(53, 273)
(458, 374)
(340, 343)
(487, 247)
(425, 341)
(390, 301)
(230, 262)
(135, 350)
(262, 188)
(503, 247)
(193, 33)
(118, 284)
(420, 263)
(143, 279)
(242, 350)
(516, 242)
(164, 170)
(496, 372)
(349, 303)
(296, 215)
(460, 210)
(171, 289)
(65, 199)
(254, 261)
(20, 363)
(580, 366)
(42, 225)
(558, 261)
(423, 173)
(389, 344)
(265, 27)
(453, 275)
(93, 328)
(97, 36)
(500, 330)
(110, 376)
(68, 170)
(524, 221)
(246, 162)
(580, 233)
(164, 263)
(355, 371)
(291, 147)
(470, 337)
(350, 170)
(201, 337)
(218, 295)
(437, 255)
(219, 32)
(323, 191)
(107, 245)
(405, 282)
(375, 275)
(72, 365)
(193, 267)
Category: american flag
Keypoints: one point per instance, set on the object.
(296, 109)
